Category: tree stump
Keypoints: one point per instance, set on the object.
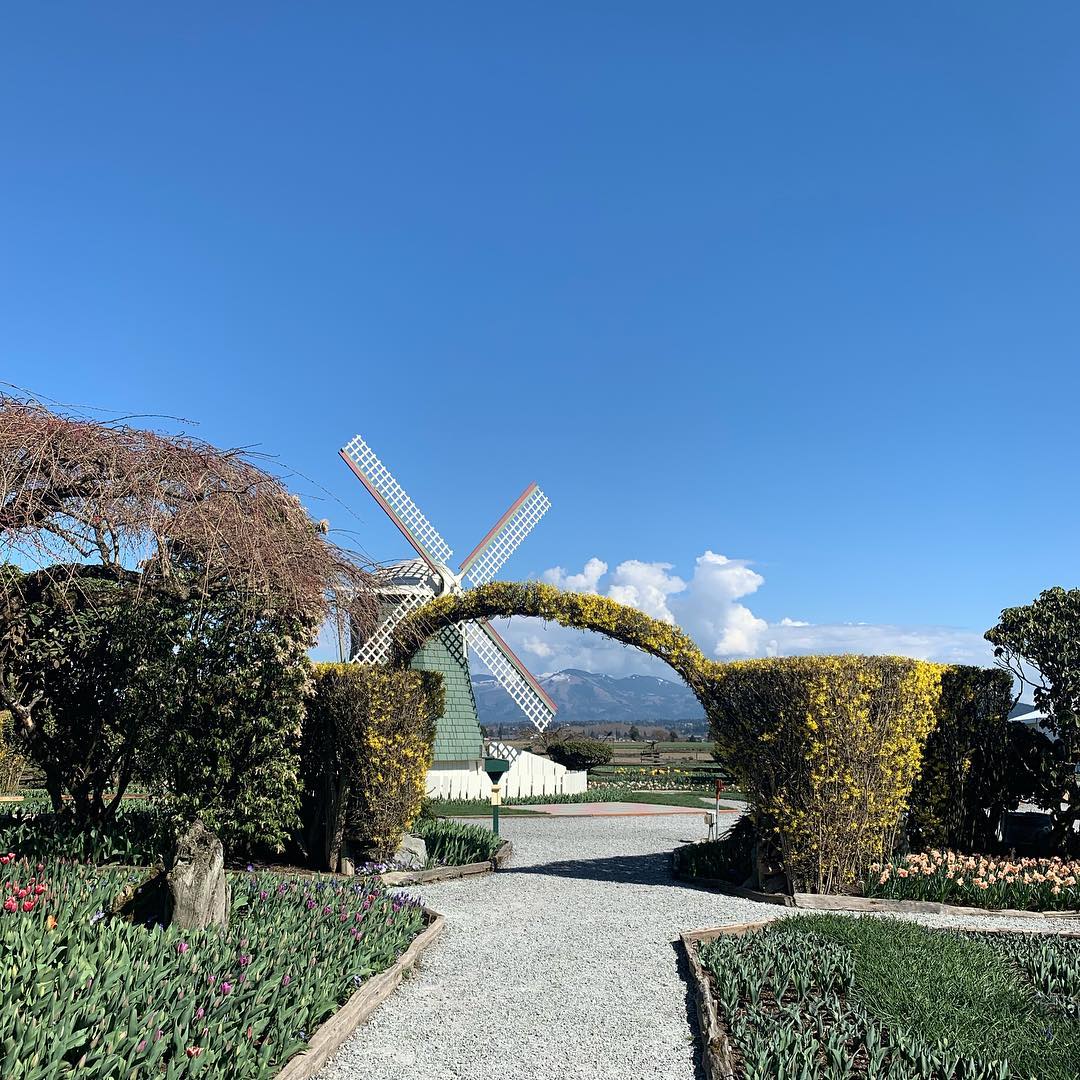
(198, 889)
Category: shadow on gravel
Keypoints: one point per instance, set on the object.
(650, 869)
(690, 1005)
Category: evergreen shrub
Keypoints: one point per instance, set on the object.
(580, 754)
(969, 769)
(366, 748)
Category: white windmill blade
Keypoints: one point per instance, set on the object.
(511, 673)
(506, 535)
(401, 510)
(376, 649)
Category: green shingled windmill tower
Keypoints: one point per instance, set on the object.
(406, 586)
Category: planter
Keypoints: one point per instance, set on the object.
(717, 1053)
(397, 878)
(337, 1028)
(836, 902)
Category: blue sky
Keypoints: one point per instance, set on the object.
(794, 284)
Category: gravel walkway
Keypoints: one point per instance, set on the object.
(560, 966)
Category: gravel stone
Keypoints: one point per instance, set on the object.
(564, 964)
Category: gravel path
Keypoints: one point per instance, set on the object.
(560, 966)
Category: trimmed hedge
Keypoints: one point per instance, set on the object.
(969, 769)
(827, 748)
(580, 754)
(367, 746)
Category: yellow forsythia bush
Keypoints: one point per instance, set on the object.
(828, 748)
(366, 748)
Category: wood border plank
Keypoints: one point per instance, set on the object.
(398, 878)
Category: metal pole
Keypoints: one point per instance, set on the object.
(496, 798)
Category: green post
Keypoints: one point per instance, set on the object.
(495, 768)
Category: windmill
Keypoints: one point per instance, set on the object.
(406, 586)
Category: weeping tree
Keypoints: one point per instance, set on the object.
(157, 600)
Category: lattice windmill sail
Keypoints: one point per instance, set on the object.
(405, 587)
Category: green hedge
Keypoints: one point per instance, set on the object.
(367, 746)
(827, 749)
(968, 768)
(580, 754)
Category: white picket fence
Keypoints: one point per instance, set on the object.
(529, 774)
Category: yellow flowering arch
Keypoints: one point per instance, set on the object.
(582, 611)
(827, 748)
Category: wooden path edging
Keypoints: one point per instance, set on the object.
(718, 1056)
(717, 1053)
(836, 902)
(340, 1025)
(395, 878)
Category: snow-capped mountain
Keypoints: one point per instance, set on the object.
(585, 697)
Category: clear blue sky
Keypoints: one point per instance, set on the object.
(794, 283)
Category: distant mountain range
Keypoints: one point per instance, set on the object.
(584, 697)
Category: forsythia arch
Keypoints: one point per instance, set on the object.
(582, 611)
(827, 748)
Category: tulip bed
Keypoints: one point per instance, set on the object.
(86, 992)
(981, 880)
(655, 778)
(453, 843)
(828, 997)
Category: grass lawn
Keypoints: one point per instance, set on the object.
(835, 997)
(475, 808)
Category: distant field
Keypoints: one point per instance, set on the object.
(685, 751)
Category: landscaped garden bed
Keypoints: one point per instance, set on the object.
(934, 882)
(836, 998)
(657, 778)
(455, 849)
(92, 981)
(1049, 884)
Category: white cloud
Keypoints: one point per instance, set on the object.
(941, 643)
(585, 582)
(710, 611)
(709, 607)
(535, 646)
(646, 586)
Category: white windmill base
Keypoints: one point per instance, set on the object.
(529, 774)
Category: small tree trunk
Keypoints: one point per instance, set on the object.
(337, 803)
(198, 888)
